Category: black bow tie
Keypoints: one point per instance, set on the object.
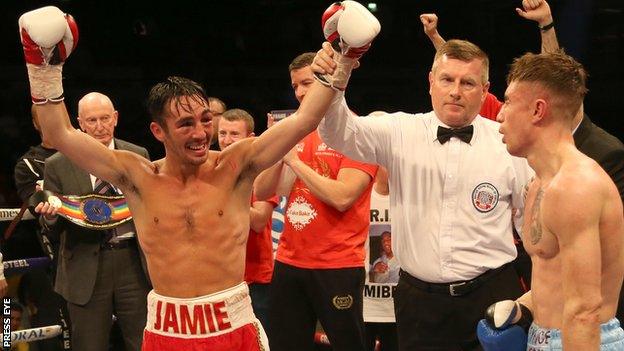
(464, 134)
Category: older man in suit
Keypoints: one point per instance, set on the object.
(99, 271)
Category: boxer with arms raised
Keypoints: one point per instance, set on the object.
(574, 229)
(191, 208)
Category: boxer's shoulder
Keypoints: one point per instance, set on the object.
(577, 181)
(132, 170)
(134, 162)
(237, 153)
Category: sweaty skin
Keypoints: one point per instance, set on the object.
(544, 247)
(191, 228)
(191, 209)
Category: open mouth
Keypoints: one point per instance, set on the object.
(197, 148)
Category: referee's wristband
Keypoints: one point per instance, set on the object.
(547, 27)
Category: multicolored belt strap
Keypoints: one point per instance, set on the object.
(95, 211)
(92, 211)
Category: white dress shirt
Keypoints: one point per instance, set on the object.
(450, 203)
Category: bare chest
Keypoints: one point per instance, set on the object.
(537, 239)
(193, 212)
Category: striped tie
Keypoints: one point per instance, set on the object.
(103, 188)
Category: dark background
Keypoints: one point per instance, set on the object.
(240, 50)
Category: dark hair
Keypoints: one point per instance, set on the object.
(173, 88)
(301, 61)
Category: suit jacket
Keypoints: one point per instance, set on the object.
(80, 247)
(29, 169)
(604, 148)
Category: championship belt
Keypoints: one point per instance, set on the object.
(92, 211)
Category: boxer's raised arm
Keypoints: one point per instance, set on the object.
(539, 11)
(82, 149)
(273, 144)
(430, 27)
(350, 27)
(48, 36)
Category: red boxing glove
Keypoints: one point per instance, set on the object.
(48, 37)
(329, 21)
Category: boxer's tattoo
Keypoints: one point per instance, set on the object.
(525, 191)
(536, 224)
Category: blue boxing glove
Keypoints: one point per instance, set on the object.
(505, 326)
(512, 338)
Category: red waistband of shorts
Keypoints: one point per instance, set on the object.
(208, 315)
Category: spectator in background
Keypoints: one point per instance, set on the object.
(28, 176)
(319, 273)
(17, 316)
(29, 168)
(216, 108)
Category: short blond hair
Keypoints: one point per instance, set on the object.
(558, 73)
(463, 50)
(237, 114)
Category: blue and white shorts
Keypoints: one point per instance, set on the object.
(542, 339)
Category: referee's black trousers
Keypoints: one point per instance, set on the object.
(429, 318)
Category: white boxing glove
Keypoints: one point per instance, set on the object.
(48, 37)
(350, 28)
(502, 314)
